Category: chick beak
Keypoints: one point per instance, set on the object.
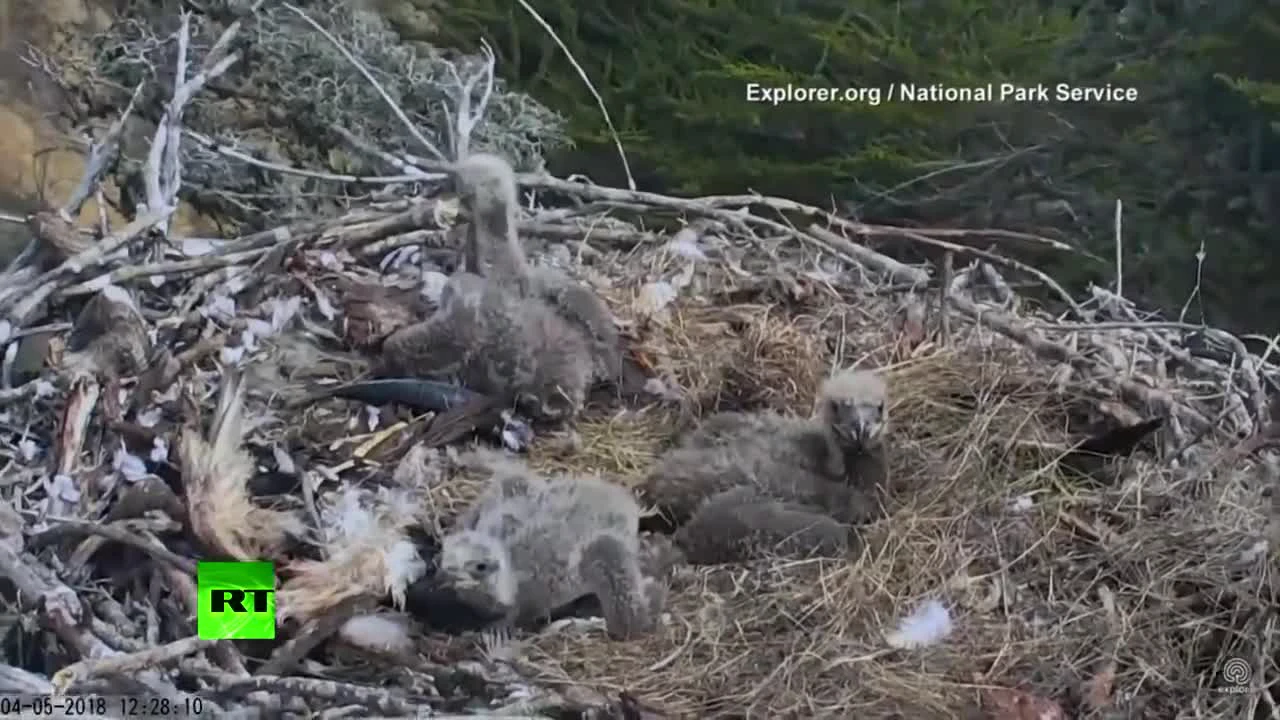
(456, 580)
(866, 423)
(858, 431)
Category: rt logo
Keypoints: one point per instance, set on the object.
(236, 601)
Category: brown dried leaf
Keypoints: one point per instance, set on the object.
(372, 312)
(58, 234)
(911, 324)
(1014, 704)
(1097, 690)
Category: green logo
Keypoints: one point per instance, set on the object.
(236, 601)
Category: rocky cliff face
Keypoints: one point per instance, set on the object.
(39, 158)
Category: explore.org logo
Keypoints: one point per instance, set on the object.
(1235, 675)
(236, 601)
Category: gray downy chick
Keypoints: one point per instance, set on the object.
(745, 523)
(486, 186)
(742, 481)
(489, 340)
(530, 547)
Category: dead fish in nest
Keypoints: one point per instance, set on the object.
(421, 395)
(446, 399)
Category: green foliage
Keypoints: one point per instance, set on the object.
(675, 74)
(1193, 160)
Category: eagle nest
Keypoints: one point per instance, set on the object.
(1080, 499)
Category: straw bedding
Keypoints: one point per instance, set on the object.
(1127, 591)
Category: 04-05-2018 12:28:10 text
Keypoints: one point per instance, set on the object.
(127, 706)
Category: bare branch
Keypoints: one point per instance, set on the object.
(211, 144)
(407, 167)
(163, 172)
(100, 156)
(467, 118)
(626, 167)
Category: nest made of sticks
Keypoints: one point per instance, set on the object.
(1136, 590)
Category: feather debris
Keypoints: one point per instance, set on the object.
(216, 473)
(367, 554)
(378, 633)
(928, 625)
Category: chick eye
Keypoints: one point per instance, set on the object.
(481, 567)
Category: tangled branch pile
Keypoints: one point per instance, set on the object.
(1139, 587)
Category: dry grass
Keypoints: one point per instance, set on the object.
(1050, 580)
(741, 356)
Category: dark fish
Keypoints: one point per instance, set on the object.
(421, 395)
(442, 610)
(459, 411)
(1089, 457)
(1119, 441)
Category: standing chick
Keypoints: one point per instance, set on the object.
(530, 546)
(486, 186)
(742, 481)
(489, 340)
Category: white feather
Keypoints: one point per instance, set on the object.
(377, 633)
(219, 307)
(231, 355)
(654, 297)
(329, 261)
(130, 466)
(433, 285)
(404, 567)
(284, 461)
(928, 625)
(510, 441)
(259, 327)
(28, 449)
(354, 524)
(150, 417)
(324, 307)
(685, 244)
(1022, 503)
(283, 311)
(159, 450)
(63, 487)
